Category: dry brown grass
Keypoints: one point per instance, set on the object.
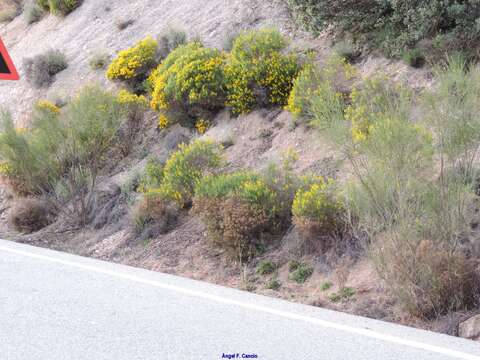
(29, 215)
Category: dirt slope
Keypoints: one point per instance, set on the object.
(94, 26)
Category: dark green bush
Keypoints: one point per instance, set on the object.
(395, 26)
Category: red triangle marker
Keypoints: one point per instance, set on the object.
(7, 69)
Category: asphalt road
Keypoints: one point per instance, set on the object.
(58, 306)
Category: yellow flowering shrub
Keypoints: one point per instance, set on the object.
(45, 105)
(186, 166)
(317, 207)
(257, 73)
(236, 209)
(202, 126)
(317, 93)
(189, 81)
(374, 99)
(133, 63)
(5, 168)
(129, 99)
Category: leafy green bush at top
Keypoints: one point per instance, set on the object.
(395, 26)
(41, 69)
(186, 167)
(257, 73)
(58, 7)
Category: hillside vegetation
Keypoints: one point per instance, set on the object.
(288, 168)
(432, 28)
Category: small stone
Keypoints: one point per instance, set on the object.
(470, 329)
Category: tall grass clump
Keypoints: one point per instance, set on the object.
(412, 185)
(41, 69)
(61, 155)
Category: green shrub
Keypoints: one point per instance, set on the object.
(376, 98)
(237, 209)
(189, 83)
(257, 73)
(63, 152)
(318, 93)
(301, 273)
(99, 60)
(186, 167)
(33, 12)
(133, 64)
(395, 26)
(58, 7)
(273, 284)
(344, 293)
(414, 58)
(317, 209)
(413, 206)
(41, 69)
(293, 265)
(325, 286)
(152, 176)
(266, 267)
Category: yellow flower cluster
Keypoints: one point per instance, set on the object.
(190, 76)
(163, 121)
(133, 62)
(358, 115)
(127, 98)
(45, 105)
(5, 168)
(368, 104)
(202, 126)
(312, 83)
(185, 168)
(255, 65)
(317, 203)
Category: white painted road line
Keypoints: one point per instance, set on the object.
(246, 305)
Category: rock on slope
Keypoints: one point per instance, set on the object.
(94, 27)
